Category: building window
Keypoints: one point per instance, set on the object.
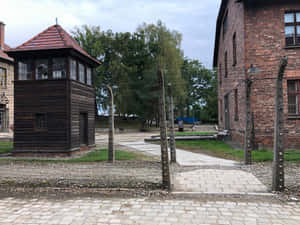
(73, 69)
(41, 121)
(236, 101)
(293, 97)
(234, 50)
(226, 64)
(225, 24)
(81, 73)
(3, 78)
(59, 68)
(41, 69)
(292, 28)
(24, 70)
(220, 73)
(221, 110)
(89, 76)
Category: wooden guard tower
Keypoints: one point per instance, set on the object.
(54, 104)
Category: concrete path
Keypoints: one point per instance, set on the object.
(184, 158)
(93, 211)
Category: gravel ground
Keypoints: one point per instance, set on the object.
(121, 174)
(263, 171)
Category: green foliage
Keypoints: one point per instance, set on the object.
(102, 155)
(95, 156)
(130, 61)
(6, 147)
(201, 86)
(197, 133)
(223, 150)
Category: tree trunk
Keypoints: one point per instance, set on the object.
(163, 134)
(171, 126)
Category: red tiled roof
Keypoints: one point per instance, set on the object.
(54, 37)
(3, 55)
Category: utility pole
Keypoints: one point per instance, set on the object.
(111, 151)
(278, 151)
(166, 180)
(171, 125)
(247, 142)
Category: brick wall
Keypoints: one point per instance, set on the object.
(264, 46)
(260, 32)
(236, 74)
(9, 90)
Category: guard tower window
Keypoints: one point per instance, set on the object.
(89, 76)
(3, 78)
(73, 69)
(41, 121)
(81, 73)
(59, 68)
(41, 69)
(24, 70)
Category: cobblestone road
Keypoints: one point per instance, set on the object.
(87, 211)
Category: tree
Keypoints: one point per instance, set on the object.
(130, 62)
(201, 86)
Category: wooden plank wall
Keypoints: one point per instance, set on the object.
(49, 97)
(82, 101)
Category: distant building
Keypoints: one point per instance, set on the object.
(258, 33)
(54, 95)
(6, 84)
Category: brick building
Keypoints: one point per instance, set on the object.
(258, 33)
(6, 85)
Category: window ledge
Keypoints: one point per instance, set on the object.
(292, 47)
(293, 117)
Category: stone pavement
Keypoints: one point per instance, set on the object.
(213, 181)
(92, 211)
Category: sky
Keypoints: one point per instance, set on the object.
(194, 19)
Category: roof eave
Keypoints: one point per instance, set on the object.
(15, 51)
(218, 29)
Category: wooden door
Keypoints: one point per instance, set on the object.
(227, 115)
(83, 129)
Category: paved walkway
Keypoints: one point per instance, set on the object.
(216, 181)
(86, 211)
(184, 158)
(221, 177)
(211, 175)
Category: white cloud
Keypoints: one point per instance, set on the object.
(193, 18)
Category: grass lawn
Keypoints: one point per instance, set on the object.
(221, 149)
(194, 133)
(95, 156)
(5, 147)
(102, 155)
